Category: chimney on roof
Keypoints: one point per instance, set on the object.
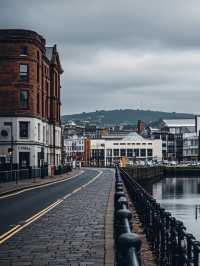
(140, 127)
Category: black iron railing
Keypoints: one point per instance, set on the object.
(63, 169)
(173, 246)
(30, 172)
(127, 243)
(19, 174)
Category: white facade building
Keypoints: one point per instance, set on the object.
(133, 146)
(32, 140)
(74, 148)
(190, 146)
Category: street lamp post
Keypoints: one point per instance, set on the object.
(9, 124)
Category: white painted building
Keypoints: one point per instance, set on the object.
(190, 146)
(32, 141)
(74, 148)
(133, 146)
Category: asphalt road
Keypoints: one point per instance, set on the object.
(17, 208)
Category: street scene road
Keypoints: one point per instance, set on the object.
(16, 209)
(71, 233)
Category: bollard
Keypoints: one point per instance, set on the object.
(127, 242)
(119, 194)
(121, 201)
(169, 239)
(123, 217)
(124, 214)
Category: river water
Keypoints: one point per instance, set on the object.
(180, 197)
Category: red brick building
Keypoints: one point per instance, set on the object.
(29, 98)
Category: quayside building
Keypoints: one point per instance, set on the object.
(30, 127)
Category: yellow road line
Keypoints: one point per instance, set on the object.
(40, 186)
(50, 206)
(35, 217)
(10, 231)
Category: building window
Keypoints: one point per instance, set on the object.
(23, 129)
(143, 153)
(122, 152)
(129, 153)
(38, 66)
(23, 51)
(149, 152)
(116, 152)
(109, 152)
(136, 152)
(38, 103)
(44, 134)
(47, 135)
(38, 131)
(23, 68)
(24, 99)
(170, 137)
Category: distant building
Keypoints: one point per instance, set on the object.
(111, 149)
(70, 129)
(172, 131)
(153, 133)
(180, 138)
(74, 148)
(190, 146)
(88, 131)
(30, 130)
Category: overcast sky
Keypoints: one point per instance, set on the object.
(119, 53)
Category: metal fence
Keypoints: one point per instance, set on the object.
(63, 169)
(173, 246)
(127, 243)
(15, 175)
(31, 172)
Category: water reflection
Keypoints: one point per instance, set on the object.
(180, 196)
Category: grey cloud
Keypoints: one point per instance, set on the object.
(116, 54)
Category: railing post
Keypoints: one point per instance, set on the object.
(196, 253)
(30, 172)
(127, 243)
(171, 244)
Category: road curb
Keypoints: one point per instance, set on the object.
(5, 193)
(109, 257)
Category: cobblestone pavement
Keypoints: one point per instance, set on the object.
(71, 234)
(23, 183)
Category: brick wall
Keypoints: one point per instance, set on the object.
(41, 102)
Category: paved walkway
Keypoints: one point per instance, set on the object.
(71, 234)
(24, 183)
(147, 255)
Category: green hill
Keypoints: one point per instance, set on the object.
(127, 116)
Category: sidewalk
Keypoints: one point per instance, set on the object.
(75, 233)
(9, 187)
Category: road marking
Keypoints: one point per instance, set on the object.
(10, 231)
(42, 211)
(40, 186)
(36, 216)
